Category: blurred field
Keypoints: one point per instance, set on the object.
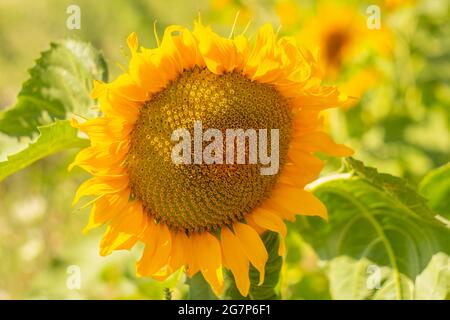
(399, 124)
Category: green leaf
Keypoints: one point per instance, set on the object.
(268, 289)
(53, 138)
(399, 190)
(436, 188)
(59, 84)
(199, 289)
(379, 227)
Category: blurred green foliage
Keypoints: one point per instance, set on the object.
(400, 125)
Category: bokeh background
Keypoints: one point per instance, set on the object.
(399, 122)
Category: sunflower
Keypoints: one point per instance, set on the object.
(203, 217)
(341, 34)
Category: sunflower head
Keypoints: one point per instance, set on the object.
(341, 33)
(205, 216)
(200, 197)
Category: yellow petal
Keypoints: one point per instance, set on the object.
(107, 207)
(127, 245)
(125, 86)
(192, 265)
(99, 89)
(114, 105)
(124, 229)
(158, 244)
(104, 130)
(305, 168)
(306, 120)
(180, 44)
(297, 201)
(100, 186)
(177, 255)
(132, 42)
(207, 252)
(317, 97)
(259, 230)
(253, 247)
(133, 220)
(220, 54)
(236, 260)
(267, 219)
(320, 142)
(176, 258)
(143, 68)
(102, 159)
(278, 210)
(264, 61)
(113, 240)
